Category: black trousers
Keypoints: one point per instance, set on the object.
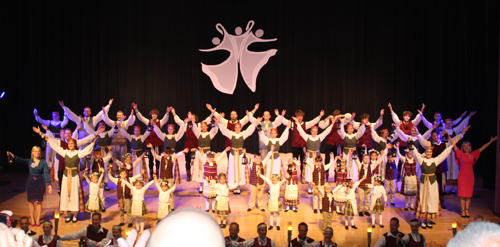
(60, 177)
(298, 153)
(188, 161)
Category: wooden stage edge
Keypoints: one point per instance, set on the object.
(13, 197)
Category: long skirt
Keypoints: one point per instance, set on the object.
(453, 169)
(163, 210)
(232, 170)
(409, 187)
(351, 209)
(309, 170)
(75, 202)
(94, 204)
(35, 188)
(139, 209)
(378, 206)
(198, 168)
(273, 166)
(432, 208)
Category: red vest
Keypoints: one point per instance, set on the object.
(297, 140)
(191, 141)
(153, 138)
(254, 179)
(368, 179)
(295, 242)
(319, 172)
(322, 244)
(413, 243)
(239, 240)
(406, 128)
(257, 244)
(334, 137)
(97, 164)
(391, 241)
(293, 177)
(327, 204)
(210, 172)
(410, 169)
(166, 167)
(366, 138)
(391, 171)
(96, 236)
(340, 177)
(119, 190)
(62, 163)
(51, 244)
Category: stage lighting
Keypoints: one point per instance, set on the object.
(1, 95)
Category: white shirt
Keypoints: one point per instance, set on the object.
(417, 237)
(250, 242)
(381, 242)
(164, 196)
(90, 243)
(48, 239)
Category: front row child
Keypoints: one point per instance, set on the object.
(210, 176)
(379, 200)
(222, 208)
(165, 191)
(123, 193)
(274, 203)
(319, 178)
(257, 184)
(94, 204)
(342, 173)
(291, 187)
(327, 201)
(351, 207)
(390, 175)
(139, 208)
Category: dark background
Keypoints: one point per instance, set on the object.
(356, 56)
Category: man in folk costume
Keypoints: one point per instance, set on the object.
(204, 140)
(266, 127)
(24, 224)
(298, 143)
(118, 141)
(55, 126)
(190, 140)
(302, 237)
(439, 121)
(153, 138)
(261, 241)
(428, 206)
(137, 147)
(84, 130)
(47, 238)
(438, 147)
(233, 237)
(236, 169)
(393, 237)
(406, 125)
(365, 141)
(169, 168)
(94, 234)
(313, 144)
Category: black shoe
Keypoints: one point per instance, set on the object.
(75, 219)
(315, 211)
(347, 227)
(270, 228)
(406, 209)
(200, 191)
(67, 220)
(286, 210)
(248, 210)
(106, 188)
(278, 228)
(213, 211)
(321, 211)
(373, 226)
(412, 209)
(432, 222)
(367, 214)
(207, 210)
(129, 225)
(121, 224)
(393, 204)
(295, 210)
(381, 226)
(221, 226)
(361, 214)
(263, 210)
(103, 210)
(354, 227)
(423, 226)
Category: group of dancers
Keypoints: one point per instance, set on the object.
(351, 159)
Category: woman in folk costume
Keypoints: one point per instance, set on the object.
(170, 139)
(266, 126)
(139, 208)
(350, 138)
(94, 203)
(222, 208)
(38, 178)
(204, 139)
(71, 192)
(409, 178)
(210, 175)
(153, 138)
(466, 158)
(274, 202)
(165, 192)
(274, 164)
(236, 170)
(406, 125)
(428, 206)
(291, 186)
(137, 142)
(313, 144)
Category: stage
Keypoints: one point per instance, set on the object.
(13, 197)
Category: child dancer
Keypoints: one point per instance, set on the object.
(341, 174)
(222, 208)
(291, 187)
(379, 200)
(137, 145)
(274, 202)
(351, 207)
(409, 181)
(406, 125)
(128, 164)
(210, 174)
(94, 204)
(204, 140)
(391, 174)
(97, 163)
(327, 202)
(123, 193)
(139, 208)
(169, 139)
(165, 191)
(319, 178)
(257, 184)
(366, 169)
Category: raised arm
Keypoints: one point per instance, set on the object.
(177, 119)
(425, 122)
(394, 116)
(315, 120)
(265, 179)
(214, 131)
(341, 131)
(379, 121)
(325, 132)
(375, 136)
(87, 150)
(141, 117)
(146, 186)
(180, 132)
(332, 161)
(263, 137)
(284, 136)
(129, 185)
(456, 121)
(158, 132)
(222, 155)
(106, 119)
(130, 120)
(55, 145)
(118, 163)
(227, 133)
(203, 159)
(401, 134)
(196, 130)
(126, 134)
(40, 120)
(153, 152)
(266, 159)
(492, 139)
(361, 131)
(85, 140)
(71, 115)
(417, 156)
(301, 131)
(423, 141)
(145, 135)
(222, 120)
(249, 131)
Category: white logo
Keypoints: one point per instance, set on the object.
(224, 76)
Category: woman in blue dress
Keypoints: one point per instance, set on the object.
(35, 186)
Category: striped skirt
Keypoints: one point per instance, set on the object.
(350, 210)
(379, 206)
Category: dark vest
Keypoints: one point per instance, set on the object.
(334, 137)
(254, 179)
(103, 142)
(96, 236)
(391, 241)
(295, 242)
(413, 243)
(297, 140)
(391, 171)
(153, 138)
(327, 204)
(138, 146)
(191, 141)
(319, 172)
(368, 179)
(170, 142)
(366, 138)
(55, 129)
(51, 244)
(119, 190)
(406, 128)
(97, 164)
(204, 142)
(257, 244)
(166, 167)
(277, 146)
(230, 126)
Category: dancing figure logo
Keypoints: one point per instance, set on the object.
(224, 76)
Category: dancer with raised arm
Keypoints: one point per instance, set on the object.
(334, 142)
(318, 171)
(94, 203)
(366, 170)
(441, 126)
(365, 141)
(137, 142)
(257, 184)
(292, 186)
(38, 180)
(466, 158)
(170, 139)
(54, 126)
(350, 138)
(204, 139)
(128, 164)
(274, 163)
(406, 125)
(165, 192)
(409, 178)
(274, 202)
(124, 194)
(298, 143)
(266, 127)
(97, 162)
(118, 141)
(210, 175)
(139, 208)
(236, 170)
(222, 208)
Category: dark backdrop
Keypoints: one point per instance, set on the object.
(356, 56)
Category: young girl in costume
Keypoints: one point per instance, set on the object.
(94, 204)
(379, 200)
(274, 202)
(139, 208)
(222, 208)
(210, 174)
(165, 191)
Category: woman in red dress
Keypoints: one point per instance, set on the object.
(466, 160)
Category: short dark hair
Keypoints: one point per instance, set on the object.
(303, 224)
(395, 219)
(366, 115)
(234, 223)
(97, 214)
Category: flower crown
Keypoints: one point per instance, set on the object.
(127, 155)
(378, 178)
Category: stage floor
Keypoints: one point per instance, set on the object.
(13, 197)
